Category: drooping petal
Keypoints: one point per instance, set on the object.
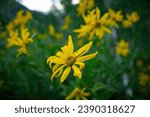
(106, 29)
(65, 74)
(83, 50)
(70, 45)
(57, 72)
(86, 57)
(72, 94)
(77, 72)
(81, 65)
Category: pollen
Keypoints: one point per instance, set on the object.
(70, 61)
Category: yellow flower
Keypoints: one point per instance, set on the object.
(59, 36)
(85, 5)
(122, 48)
(22, 42)
(12, 40)
(51, 30)
(67, 23)
(78, 94)
(70, 60)
(94, 25)
(144, 79)
(132, 18)
(115, 17)
(22, 18)
(10, 27)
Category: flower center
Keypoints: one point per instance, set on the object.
(70, 60)
(98, 25)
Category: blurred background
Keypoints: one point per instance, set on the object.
(107, 76)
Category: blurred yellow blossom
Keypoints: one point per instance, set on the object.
(85, 5)
(132, 18)
(94, 25)
(22, 42)
(13, 39)
(70, 60)
(144, 79)
(67, 23)
(22, 18)
(59, 36)
(51, 30)
(78, 94)
(115, 17)
(122, 48)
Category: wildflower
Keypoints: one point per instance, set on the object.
(78, 94)
(59, 35)
(22, 42)
(94, 24)
(22, 18)
(131, 19)
(51, 30)
(70, 60)
(144, 80)
(85, 5)
(67, 23)
(13, 39)
(122, 48)
(115, 17)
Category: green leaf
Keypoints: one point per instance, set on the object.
(98, 86)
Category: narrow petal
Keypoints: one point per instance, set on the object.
(106, 29)
(87, 57)
(57, 72)
(81, 65)
(60, 54)
(77, 72)
(83, 50)
(72, 94)
(70, 44)
(104, 17)
(65, 74)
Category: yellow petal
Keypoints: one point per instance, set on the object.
(83, 49)
(60, 54)
(87, 57)
(57, 72)
(72, 94)
(77, 72)
(70, 45)
(106, 29)
(65, 74)
(81, 65)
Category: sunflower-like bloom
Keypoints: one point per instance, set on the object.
(78, 94)
(115, 17)
(122, 48)
(85, 5)
(69, 59)
(94, 25)
(131, 19)
(22, 42)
